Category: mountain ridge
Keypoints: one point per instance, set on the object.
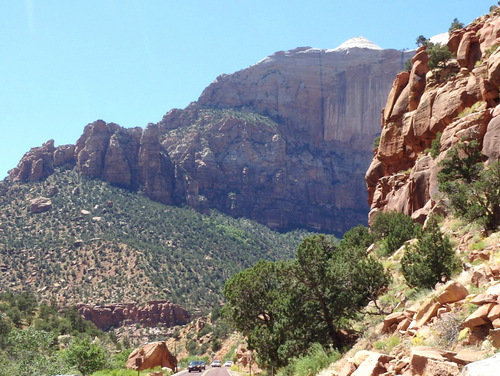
(284, 142)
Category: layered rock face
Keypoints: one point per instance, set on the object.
(149, 315)
(458, 99)
(285, 142)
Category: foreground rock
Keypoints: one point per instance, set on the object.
(150, 356)
(285, 142)
(486, 367)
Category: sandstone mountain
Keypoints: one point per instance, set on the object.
(459, 99)
(285, 142)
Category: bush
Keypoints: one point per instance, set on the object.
(447, 329)
(393, 229)
(434, 150)
(430, 260)
(438, 53)
(471, 188)
(316, 359)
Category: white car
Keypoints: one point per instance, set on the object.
(228, 364)
(216, 363)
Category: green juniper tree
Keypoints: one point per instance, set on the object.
(430, 260)
(455, 25)
(393, 229)
(284, 307)
(472, 189)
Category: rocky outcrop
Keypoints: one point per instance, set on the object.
(149, 315)
(285, 142)
(458, 99)
(485, 367)
(151, 355)
(40, 204)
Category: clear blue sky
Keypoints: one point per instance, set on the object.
(64, 64)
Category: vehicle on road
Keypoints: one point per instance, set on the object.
(196, 365)
(216, 363)
(228, 364)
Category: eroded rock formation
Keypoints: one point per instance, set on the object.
(285, 142)
(151, 355)
(458, 99)
(150, 314)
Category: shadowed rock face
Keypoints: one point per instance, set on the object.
(402, 176)
(150, 314)
(285, 142)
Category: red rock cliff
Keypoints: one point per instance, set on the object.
(285, 142)
(149, 314)
(402, 175)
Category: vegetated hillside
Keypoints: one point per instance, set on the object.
(102, 244)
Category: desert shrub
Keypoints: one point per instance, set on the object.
(490, 50)
(387, 345)
(447, 329)
(311, 363)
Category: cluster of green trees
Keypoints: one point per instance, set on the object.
(39, 340)
(283, 307)
(437, 52)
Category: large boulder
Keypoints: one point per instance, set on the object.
(375, 364)
(432, 362)
(151, 355)
(485, 367)
(454, 291)
(40, 204)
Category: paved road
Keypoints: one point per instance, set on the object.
(216, 371)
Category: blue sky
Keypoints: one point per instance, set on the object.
(64, 64)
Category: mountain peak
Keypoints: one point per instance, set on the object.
(358, 42)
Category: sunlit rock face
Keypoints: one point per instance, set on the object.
(285, 142)
(458, 99)
(319, 96)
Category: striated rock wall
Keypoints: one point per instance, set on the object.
(149, 315)
(316, 95)
(285, 142)
(402, 175)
